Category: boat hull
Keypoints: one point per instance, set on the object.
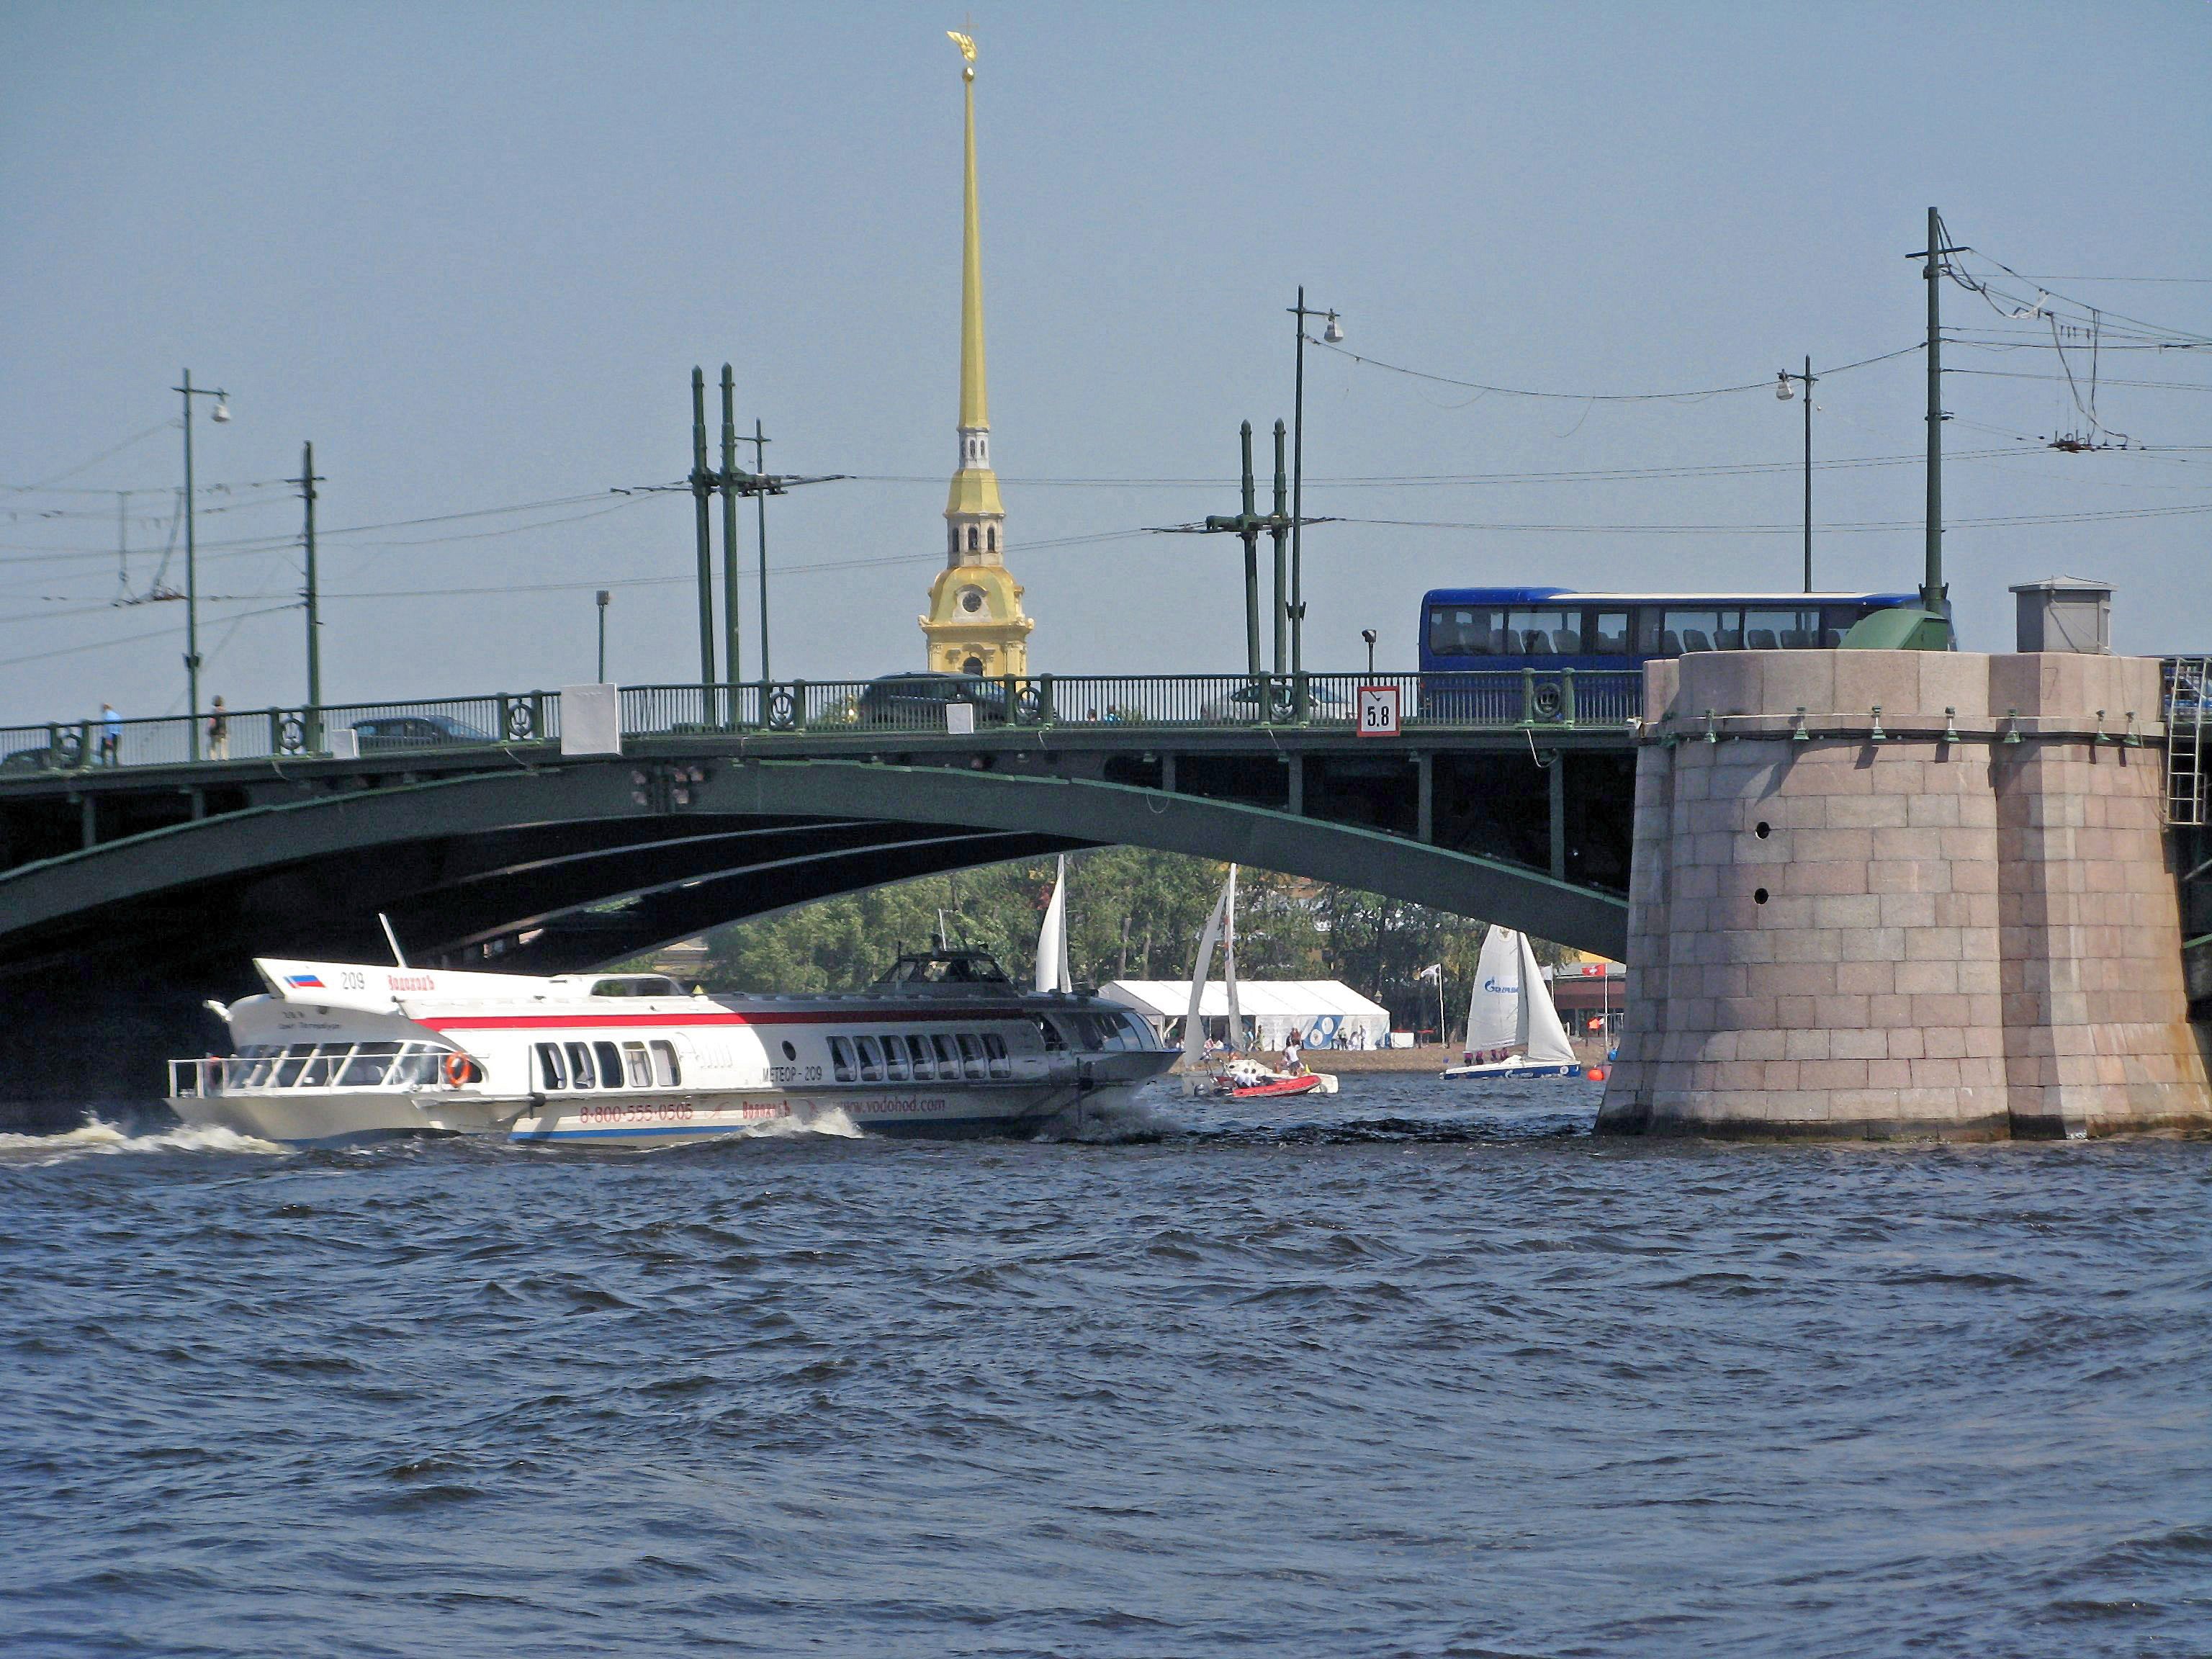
(1508, 1068)
(302, 1117)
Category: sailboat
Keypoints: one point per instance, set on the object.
(1243, 1077)
(1053, 973)
(1512, 1029)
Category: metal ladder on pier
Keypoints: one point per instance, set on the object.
(2188, 682)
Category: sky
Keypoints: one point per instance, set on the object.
(473, 252)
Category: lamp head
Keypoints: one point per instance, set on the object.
(221, 413)
(1782, 385)
(1368, 634)
(604, 597)
(1332, 331)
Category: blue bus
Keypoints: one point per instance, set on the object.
(1533, 633)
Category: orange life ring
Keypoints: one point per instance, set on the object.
(460, 1069)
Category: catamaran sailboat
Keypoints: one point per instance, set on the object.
(1512, 1029)
(942, 1043)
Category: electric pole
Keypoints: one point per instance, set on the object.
(731, 653)
(1932, 590)
(313, 594)
(760, 442)
(221, 412)
(703, 489)
(1279, 530)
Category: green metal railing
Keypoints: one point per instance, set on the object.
(1539, 699)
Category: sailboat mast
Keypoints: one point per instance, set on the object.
(1229, 963)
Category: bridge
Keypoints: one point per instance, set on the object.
(139, 872)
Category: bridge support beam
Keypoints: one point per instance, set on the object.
(1903, 893)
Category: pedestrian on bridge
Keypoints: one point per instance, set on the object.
(218, 732)
(111, 735)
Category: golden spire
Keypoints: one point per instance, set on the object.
(974, 412)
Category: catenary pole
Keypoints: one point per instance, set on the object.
(702, 483)
(313, 594)
(1278, 532)
(1931, 586)
(732, 655)
(191, 587)
(760, 501)
(1809, 474)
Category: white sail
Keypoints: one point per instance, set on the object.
(1493, 1009)
(1545, 1037)
(1193, 1027)
(1052, 969)
(1229, 962)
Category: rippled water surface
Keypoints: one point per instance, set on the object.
(1415, 1371)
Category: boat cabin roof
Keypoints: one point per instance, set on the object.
(944, 967)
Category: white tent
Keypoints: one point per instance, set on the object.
(1322, 1012)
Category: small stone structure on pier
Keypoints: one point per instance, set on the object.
(1881, 893)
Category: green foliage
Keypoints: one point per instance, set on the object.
(1133, 915)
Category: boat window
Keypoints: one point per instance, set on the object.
(288, 1068)
(1087, 1033)
(635, 1067)
(971, 1056)
(370, 1061)
(994, 1047)
(872, 1060)
(840, 1059)
(1053, 1042)
(611, 1065)
(894, 1059)
(917, 1049)
(948, 1060)
(580, 1065)
(551, 1074)
(418, 1066)
(666, 1072)
(259, 1062)
(637, 985)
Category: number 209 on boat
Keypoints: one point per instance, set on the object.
(1378, 711)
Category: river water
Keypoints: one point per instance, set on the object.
(1421, 1370)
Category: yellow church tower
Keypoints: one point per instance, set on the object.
(974, 624)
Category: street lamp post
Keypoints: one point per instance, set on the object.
(1781, 380)
(219, 413)
(1332, 333)
(604, 597)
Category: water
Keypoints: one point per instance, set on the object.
(1404, 1372)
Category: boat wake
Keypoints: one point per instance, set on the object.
(100, 1139)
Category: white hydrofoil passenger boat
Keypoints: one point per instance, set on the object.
(943, 1043)
(1512, 1029)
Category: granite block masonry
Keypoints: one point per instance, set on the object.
(1899, 893)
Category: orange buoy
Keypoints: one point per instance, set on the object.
(1595, 1073)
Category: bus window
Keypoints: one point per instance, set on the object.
(636, 1066)
(894, 1059)
(666, 1072)
(1765, 630)
(1684, 631)
(580, 1065)
(1836, 622)
(1542, 634)
(551, 1074)
(840, 1059)
(971, 1056)
(1607, 634)
(872, 1060)
(994, 1047)
(611, 1065)
(1456, 631)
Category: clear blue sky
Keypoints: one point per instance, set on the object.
(473, 252)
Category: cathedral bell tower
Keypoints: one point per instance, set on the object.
(974, 624)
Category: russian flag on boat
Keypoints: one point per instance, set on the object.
(305, 982)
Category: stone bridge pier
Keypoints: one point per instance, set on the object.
(1893, 893)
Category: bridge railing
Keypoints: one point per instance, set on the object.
(921, 707)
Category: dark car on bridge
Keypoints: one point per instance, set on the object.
(40, 760)
(917, 701)
(416, 731)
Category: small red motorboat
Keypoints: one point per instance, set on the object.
(1245, 1080)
